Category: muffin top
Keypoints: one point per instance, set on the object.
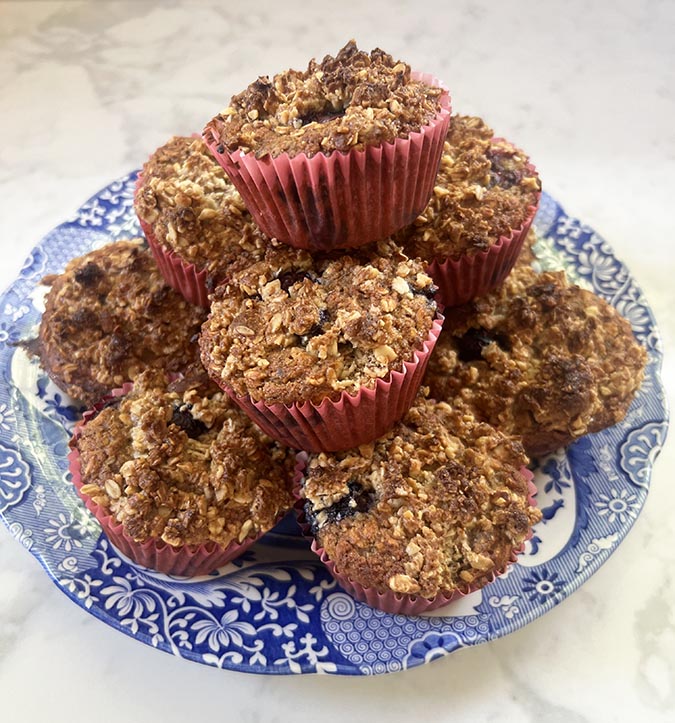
(181, 463)
(437, 504)
(297, 327)
(538, 358)
(485, 188)
(193, 208)
(350, 101)
(109, 316)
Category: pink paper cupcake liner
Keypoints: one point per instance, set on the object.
(353, 419)
(464, 278)
(341, 200)
(391, 602)
(185, 278)
(186, 560)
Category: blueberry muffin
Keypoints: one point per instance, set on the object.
(177, 464)
(337, 156)
(190, 210)
(109, 316)
(483, 202)
(438, 505)
(296, 327)
(350, 101)
(539, 358)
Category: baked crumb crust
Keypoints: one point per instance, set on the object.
(346, 102)
(181, 463)
(437, 504)
(538, 358)
(109, 316)
(298, 327)
(483, 190)
(193, 208)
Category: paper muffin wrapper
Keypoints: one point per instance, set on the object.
(390, 601)
(345, 199)
(186, 560)
(351, 420)
(460, 279)
(187, 279)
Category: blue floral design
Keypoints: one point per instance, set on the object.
(542, 584)
(556, 483)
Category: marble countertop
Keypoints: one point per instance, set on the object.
(90, 88)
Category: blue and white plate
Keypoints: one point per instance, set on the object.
(276, 609)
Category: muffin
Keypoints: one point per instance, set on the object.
(324, 351)
(539, 358)
(179, 478)
(194, 219)
(484, 199)
(434, 509)
(318, 155)
(109, 316)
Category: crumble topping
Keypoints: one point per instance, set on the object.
(181, 463)
(298, 327)
(109, 316)
(195, 210)
(538, 358)
(350, 101)
(484, 188)
(436, 504)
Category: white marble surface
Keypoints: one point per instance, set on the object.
(87, 89)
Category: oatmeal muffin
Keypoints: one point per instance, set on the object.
(435, 508)
(539, 358)
(318, 154)
(180, 479)
(483, 203)
(298, 329)
(109, 316)
(349, 101)
(194, 219)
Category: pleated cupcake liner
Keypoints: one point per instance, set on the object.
(184, 560)
(349, 421)
(390, 601)
(345, 199)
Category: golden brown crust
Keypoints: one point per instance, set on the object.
(437, 504)
(194, 209)
(181, 463)
(484, 189)
(538, 358)
(298, 327)
(109, 316)
(345, 102)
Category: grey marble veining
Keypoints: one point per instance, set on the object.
(89, 89)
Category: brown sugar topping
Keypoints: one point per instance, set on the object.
(484, 189)
(437, 504)
(181, 463)
(109, 316)
(298, 327)
(350, 101)
(538, 358)
(194, 209)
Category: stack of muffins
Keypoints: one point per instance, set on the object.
(317, 233)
